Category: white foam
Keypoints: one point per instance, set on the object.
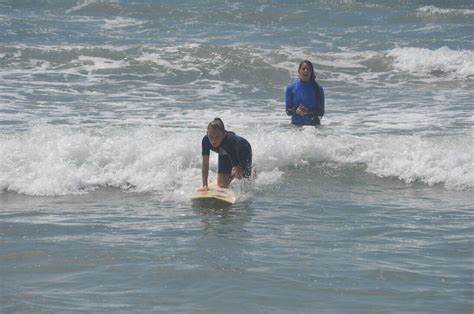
(92, 64)
(442, 61)
(196, 64)
(411, 158)
(162, 59)
(121, 22)
(433, 11)
(52, 160)
(80, 5)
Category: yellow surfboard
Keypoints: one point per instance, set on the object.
(215, 195)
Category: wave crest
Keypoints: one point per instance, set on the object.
(439, 62)
(52, 160)
(433, 11)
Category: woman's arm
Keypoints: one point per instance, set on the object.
(205, 172)
(290, 109)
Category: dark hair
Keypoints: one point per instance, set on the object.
(216, 124)
(312, 79)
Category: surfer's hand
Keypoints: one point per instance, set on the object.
(301, 110)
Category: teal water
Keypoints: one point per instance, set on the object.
(102, 109)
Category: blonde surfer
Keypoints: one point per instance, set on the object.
(235, 155)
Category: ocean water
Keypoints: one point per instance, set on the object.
(103, 105)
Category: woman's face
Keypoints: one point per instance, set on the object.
(215, 136)
(305, 72)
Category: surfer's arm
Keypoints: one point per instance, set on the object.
(290, 108)
(205, 172)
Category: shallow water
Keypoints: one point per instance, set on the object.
(109, 250)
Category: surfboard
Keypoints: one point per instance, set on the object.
(215, 195)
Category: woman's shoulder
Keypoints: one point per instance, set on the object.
(297, 82)
(231, 137)
(205, 140)
(229, 134)
(292, 85)
(321, 89)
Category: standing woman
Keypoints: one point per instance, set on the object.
(235, 155)
(304, 98)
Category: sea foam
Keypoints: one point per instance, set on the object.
(442, 62)
(53, 160)
(433, 11)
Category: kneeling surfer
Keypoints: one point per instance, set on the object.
(235, 155)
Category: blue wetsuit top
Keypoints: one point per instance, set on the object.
(304, 93)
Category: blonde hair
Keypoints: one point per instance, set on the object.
(216, 124)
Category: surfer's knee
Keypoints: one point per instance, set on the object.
(223, 179)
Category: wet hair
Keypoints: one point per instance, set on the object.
(312, 79)
(317, 87)
(216, 124)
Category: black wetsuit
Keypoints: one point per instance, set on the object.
(233, 151)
